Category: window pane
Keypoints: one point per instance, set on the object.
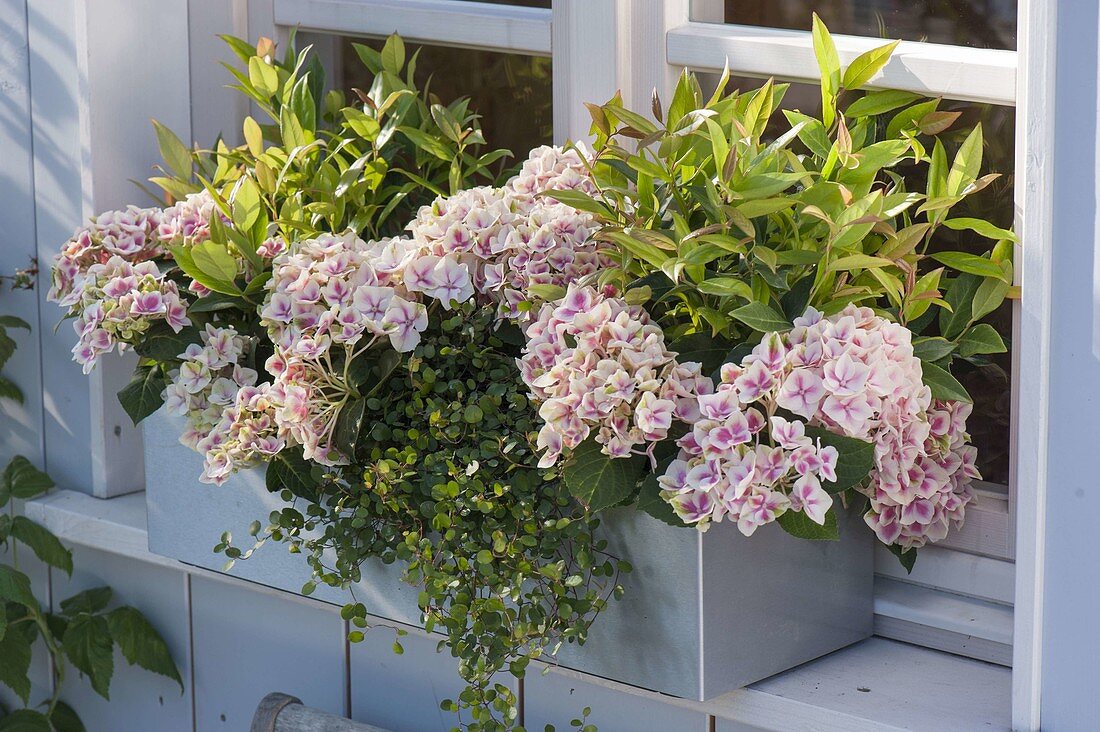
(524, 3)
(511, 92)
(978, 23)
(989, 384)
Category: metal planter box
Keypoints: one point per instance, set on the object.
(703, 614)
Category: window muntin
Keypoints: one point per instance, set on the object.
(974, 23)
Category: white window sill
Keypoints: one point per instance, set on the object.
(878, 684)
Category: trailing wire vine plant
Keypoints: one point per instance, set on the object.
(83, 633)
(445, 481)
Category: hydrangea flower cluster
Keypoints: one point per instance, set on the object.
(728, 467)
(340, 289)
(510, 239)
(551, 167)
(855, 374)
(936, 489)
(187, 222)
(129, 234)
(116, 302)
(207, 382)
(598, 364)
(246, 434)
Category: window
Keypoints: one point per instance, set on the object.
(959, 598)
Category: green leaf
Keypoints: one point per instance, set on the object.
(11, 321)
(87, 645)
(907, 557)
(726, 287)
(393, 54)
(174, 152)
(65, 719)
(944, 386)
(653, 503)
(968, 163)
(855, 458)
(16, 587)
(879, 102)
(15, 658)
(866, 65)
(761, 317)
(700, 348)
(800, 525)
(141, 644)
(932, 349)
(599, 481)
(253, 137)
(161, 343)
(10, 390)
(989, 295)
(23, 480)
(89, 601)
(25, 720)
(981, 339)
(213, 260)
(349, 423)
(184, 257)
(246, 206)
(980, 226)
(43, 543)
(971, 264)
(288, 470)
(858, 261)
(144, 394)
(828, 61)
(960, 296)
(263, 76)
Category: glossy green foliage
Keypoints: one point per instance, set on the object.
(725, 228)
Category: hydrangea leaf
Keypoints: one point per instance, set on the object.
(800, 525)
(599, 481)
(144, 394)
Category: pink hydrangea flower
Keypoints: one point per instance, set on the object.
(509, 239)
(129, 234)
(116, 302)
(599, 366)
(207, 381)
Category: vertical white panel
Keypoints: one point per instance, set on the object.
(215, 109)
(559, 697)
(58, 209)
(248, 644)
(1038, 38)
(22, 433)
(1069, 397)
(589, 60)
(97, 76)
(140, 700)
(650, 23)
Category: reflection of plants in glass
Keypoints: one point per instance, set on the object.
(84, 633)
(512, 93)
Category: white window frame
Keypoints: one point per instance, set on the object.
(636, 46)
